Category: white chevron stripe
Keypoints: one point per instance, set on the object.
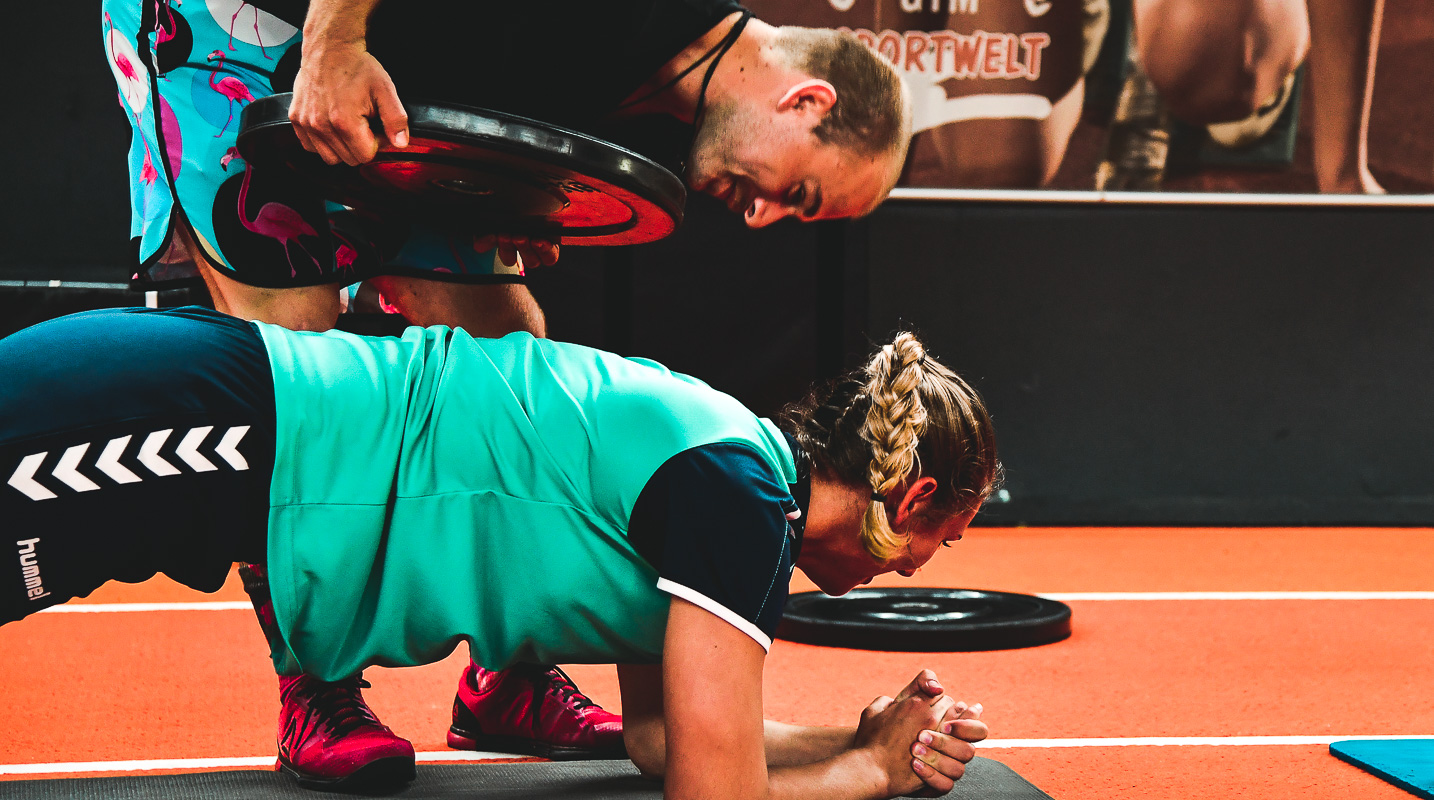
(24, 478)
(68, 469)
(227, 448)
(121, 608)
(108, 462)
(149, 453)
(188, 450)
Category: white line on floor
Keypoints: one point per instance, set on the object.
(1186, 741)
(210, 763)
(442, 756)
(108, 608)
(135, 766)
(1064, 596)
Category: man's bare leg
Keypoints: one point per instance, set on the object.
(1345, 41)
(1057, 129)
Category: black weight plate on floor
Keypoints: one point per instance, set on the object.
(924, 620)
(480, 171)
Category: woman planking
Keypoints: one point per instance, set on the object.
(543, 502)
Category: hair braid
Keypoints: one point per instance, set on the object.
(902, 415)
(894, 425)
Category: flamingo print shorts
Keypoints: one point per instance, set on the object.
(185, 72)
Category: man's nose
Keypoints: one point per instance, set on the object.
(764, 212)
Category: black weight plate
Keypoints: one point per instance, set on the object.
(479, 171)
(924, 620)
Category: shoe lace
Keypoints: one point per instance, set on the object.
(564, 686)
(340, 705)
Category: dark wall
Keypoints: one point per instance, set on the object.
(1179, 365)
(732, 306)
(64, 203)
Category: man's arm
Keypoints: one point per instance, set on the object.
(698, 723)
(340, 86)
(1344, 44)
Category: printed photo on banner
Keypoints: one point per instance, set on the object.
(1249, 96)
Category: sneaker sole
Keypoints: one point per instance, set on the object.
(462, 740)
(376, 777)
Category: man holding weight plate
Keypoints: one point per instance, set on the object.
(775, 122)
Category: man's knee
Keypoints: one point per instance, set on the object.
(1200, 92)
(1214, 63)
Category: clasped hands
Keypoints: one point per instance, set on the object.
(921, 739)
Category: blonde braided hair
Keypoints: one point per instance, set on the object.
(902, 414)
(894, 426)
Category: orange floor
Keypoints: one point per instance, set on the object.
(137, 686)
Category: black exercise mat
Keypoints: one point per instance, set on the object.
(582, 780)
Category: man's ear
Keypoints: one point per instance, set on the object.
(811, 95)
(913, 501)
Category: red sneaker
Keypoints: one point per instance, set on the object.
(330, 739)
(532, 710)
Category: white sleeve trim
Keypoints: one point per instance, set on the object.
(708, 604)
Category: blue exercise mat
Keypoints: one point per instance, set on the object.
(1406, 763)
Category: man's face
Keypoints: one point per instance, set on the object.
(766, 167)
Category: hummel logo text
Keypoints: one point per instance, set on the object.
(30, 568)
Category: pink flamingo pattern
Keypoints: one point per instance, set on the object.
(163, 33)
(229, 155)
(133, 91)
(231, 87)
(462, 267)
(172, 116)
(173, 139)
(345, 257)
(147, 172)
(257, 34)
(274, 220)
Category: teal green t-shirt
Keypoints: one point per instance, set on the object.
(436, 488)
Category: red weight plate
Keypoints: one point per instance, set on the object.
(480, 172)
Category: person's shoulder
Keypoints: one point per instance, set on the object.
(725, 478)
(722, 535)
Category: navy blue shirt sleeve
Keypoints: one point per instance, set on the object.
(715, 522)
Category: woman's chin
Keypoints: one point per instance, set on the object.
(834, 585)
(835, 589)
